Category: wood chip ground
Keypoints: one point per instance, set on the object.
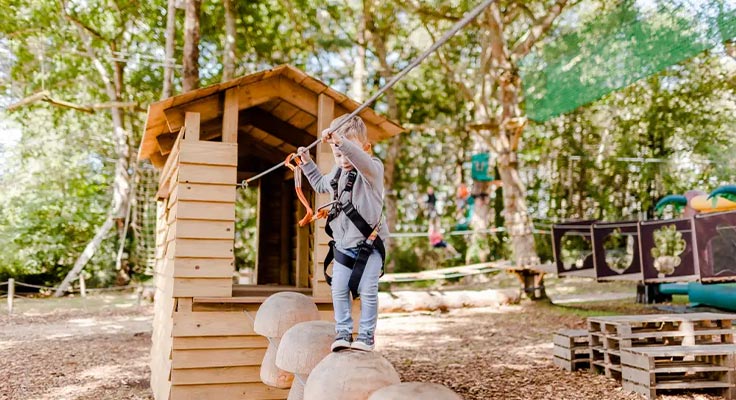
(490, 353)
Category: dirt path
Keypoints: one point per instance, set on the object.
(489, 354)
(501, 353)
(83, 355)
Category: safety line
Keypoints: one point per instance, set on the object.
(459, 25)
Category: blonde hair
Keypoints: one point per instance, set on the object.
(354, 128)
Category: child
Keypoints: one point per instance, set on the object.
(431, 203)
(435, 239)
(356, 183)
(461, 199)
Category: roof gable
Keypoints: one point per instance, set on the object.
(286, 93)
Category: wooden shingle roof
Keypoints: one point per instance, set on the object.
(284, 92)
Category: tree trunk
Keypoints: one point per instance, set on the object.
(519, 225)
(357, 91)
(517, 221)
(86, 255)
(191, 46)
(169, 60)
(479, 250)
(114, 88)
(228, 59)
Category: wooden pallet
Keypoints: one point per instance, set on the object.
(648, 370)
(609, 335)
(571, 350)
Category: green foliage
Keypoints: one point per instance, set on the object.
(668, 245)
(631, 41)
(579, 165)
(56, 196)
(245, 229)
(619, 250)
(574, 249)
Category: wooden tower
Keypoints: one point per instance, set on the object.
(205, 142)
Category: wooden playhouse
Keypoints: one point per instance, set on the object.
(205, 142)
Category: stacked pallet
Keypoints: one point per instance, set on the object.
(571, 349)
(648, 370)
(608, 336)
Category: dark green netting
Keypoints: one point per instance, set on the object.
(635, 40)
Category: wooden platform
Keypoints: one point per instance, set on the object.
(571, 350)
(648, 370)
(608, 336)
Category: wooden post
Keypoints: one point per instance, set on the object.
(191, 126)
(325, 161)
(82, 286)
(11, 294)
(230, 117)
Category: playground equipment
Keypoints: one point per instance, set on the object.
(716, 295)
(205, 142)
(275, 316)
(700, 247)
(415, 391)
(302, 348)
(349, 375)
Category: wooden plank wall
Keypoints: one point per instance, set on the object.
(203, 229)
(194, 240)
(163, 311)
(217, 354)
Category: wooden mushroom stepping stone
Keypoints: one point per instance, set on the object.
(415, 391)
(648, 370)
(350, 375)
(571, 349)
(302, 348)
(275, 316)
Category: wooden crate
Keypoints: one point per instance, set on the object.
(571, 350)
(649, 370)
(609, 335)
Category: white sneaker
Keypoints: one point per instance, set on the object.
(342, 341)
(364, 343)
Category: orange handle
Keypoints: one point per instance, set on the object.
(295, 167)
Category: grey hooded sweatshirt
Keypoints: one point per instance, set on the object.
(367, 194)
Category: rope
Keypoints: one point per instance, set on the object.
(454, 233)
(33, 286)
(111, 288)
(459, 25)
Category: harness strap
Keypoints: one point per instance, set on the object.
(356, 264)
(365, 248)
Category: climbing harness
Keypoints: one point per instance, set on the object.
(365, 248)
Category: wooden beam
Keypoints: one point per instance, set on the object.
(276, 127)
(326, 107)
(325, 161)
(191, 125)
(230, 117)
(207, 131)
(255, 148)
(166, 142)
(299, 96)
